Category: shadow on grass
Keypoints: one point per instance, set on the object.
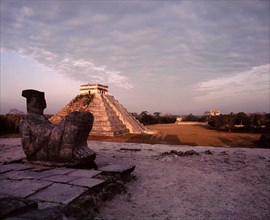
(208, 127)
(144, 138)
(158, 139)
(239, 142)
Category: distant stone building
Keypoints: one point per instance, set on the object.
(212, 113)
(178, 120)
(110, 117)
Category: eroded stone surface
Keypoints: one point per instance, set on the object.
(58, 171)
(17, 166)
(4, 169)
(117, 168)
(19, 175)
(50, 186)
(60, 178)
(59, 193)
(63, 143)
(87, 182)
(35, 100)
(21, 188)
(11, 152)
(85, 173)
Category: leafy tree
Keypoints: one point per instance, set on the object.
(144, 113)
(222, 122)
(191, 117)
(148, 119)
(252, 123)
(157, 114)
(9, 123)
(242, 119)
(145, 118)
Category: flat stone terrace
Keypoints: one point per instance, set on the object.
(44, 186)
(48, 186)
(172, 182)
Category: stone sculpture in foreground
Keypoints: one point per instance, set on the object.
(63, 143)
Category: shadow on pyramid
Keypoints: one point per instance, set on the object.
(110, 117)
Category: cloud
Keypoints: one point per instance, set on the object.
(141, 44)
(248, 84)
(78, 69)
(121, 35)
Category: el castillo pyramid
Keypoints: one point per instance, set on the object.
(110, 117)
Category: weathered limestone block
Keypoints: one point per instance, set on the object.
(62, 143)
(35, 101)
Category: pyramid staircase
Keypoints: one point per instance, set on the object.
(129, 120)
(110, 117)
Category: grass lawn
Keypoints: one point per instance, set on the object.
(194, 135)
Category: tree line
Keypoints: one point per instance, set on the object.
(241, 122)
(148, 119)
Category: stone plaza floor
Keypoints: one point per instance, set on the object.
(46, 186)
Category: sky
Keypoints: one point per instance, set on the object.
(174, 57)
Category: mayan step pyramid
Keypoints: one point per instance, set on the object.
(110, 117)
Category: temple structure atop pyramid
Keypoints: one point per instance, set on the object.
(110, 117)
(93, 89)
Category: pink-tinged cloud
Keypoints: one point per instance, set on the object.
(78, 69)
(250, 85)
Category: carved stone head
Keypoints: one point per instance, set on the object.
(35, 101)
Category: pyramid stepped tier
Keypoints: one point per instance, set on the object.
(110, 117)
(79, 103)
(106, 121)
(129, 120)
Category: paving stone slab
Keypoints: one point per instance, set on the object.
(4, 169)
(58, 171)
(24, 175)
(40, 169)
(17, 166)
(85, 173)
(87, 182)
(22, 188)
(10, 152)
(59, 193)
(12, 175)
(60, 178)
(117, 168)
